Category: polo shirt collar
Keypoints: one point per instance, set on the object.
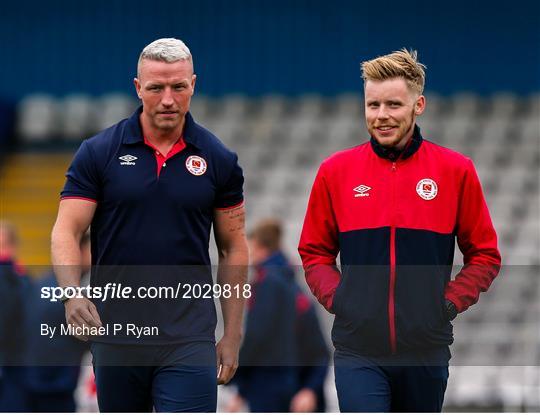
(412, 146)
(133, 131)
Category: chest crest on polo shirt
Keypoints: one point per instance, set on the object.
(196, 165)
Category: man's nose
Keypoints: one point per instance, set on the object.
(167, 97)
(382, 113)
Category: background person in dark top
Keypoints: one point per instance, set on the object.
(14, 286)
(281, 323)
(52, 365)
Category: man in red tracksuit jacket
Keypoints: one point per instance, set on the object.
(393, 208)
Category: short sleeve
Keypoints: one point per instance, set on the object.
(82, 178)
(231, 192)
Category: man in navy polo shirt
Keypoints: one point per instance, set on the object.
(151, 187)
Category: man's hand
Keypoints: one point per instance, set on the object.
(74, 218)
(304, 401)
(227, 351)
(81, 312)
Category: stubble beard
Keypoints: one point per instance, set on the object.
(399, 139)
(165, 125)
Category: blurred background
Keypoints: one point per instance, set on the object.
(279, 82)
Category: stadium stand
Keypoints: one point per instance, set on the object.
(281, 141)
(79, 117)
(37, 118)
(30, 183)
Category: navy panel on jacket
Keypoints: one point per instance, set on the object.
(421, 278)
(361, 299)
(365, 246)
(419, 292)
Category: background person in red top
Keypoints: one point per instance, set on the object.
(393, 208)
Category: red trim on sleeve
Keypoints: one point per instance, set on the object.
(231, 207)
(78, 197)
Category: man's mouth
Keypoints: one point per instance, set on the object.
(385, 128)
(168, 114)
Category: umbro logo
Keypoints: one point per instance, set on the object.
(362, 190)
(127, 160)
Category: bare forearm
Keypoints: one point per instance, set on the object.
(233, 260)
(74, 218)
(66, 256)
(231, 241)
(233, 271)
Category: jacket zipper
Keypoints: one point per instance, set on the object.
(391, 291)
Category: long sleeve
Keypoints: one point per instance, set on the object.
(477, 241)
(319, 244)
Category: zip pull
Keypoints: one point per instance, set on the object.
(394, 166)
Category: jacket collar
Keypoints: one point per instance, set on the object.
(133, 132)
(391, 154)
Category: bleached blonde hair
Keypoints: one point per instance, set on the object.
(399, 64)
(165, 50)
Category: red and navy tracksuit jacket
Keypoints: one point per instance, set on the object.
(394, 219)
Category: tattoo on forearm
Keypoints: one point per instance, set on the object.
(237, 219)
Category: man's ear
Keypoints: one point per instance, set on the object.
(193, 80)
(137, 84)
(420, 105)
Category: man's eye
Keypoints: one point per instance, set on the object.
(179, 87)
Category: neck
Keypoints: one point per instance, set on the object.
(411, 145)
(403, 143)
(160, 136)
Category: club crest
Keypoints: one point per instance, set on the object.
(196, 165)
(427, 189)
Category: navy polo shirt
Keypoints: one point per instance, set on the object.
(152, 226)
